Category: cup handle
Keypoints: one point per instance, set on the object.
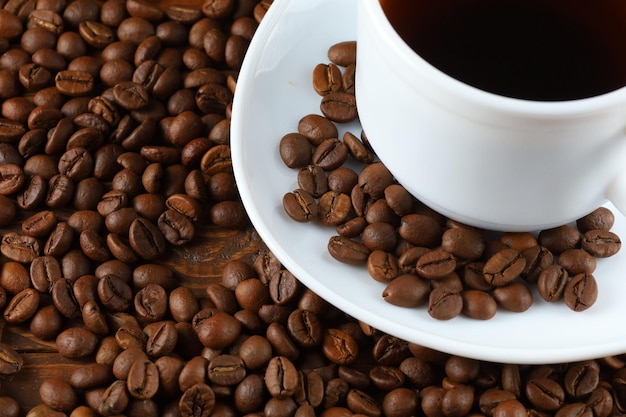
(616, 192)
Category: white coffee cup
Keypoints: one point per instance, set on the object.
(480, 158)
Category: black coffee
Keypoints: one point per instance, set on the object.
(535, 50)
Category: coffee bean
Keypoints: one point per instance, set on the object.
(545, 393)
(515, 296)
(151, 303)
(343, 53)
(326, 79)
(143, 380)
(444, 304)
(58, 394)
(22, 306)
(339, 106)
(39, 224)
(436, 264)
(114, 293)
(76, 342)
(503, 267)
(11, 362)
(197, 400)
(601, 243)
(339, 347)
(63, 298)
(216, 330)
(19, 248)
(581, 292)
(300, 205)
(146, 239)
(347, 250)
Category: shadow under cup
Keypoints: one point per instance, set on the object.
(528, 49)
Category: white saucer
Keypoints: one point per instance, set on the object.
(273, 92)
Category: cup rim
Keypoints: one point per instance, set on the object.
(451, 85)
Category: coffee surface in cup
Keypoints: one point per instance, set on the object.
(533, 50)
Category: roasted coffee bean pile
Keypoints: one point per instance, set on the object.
(113, 148)
(423, 258)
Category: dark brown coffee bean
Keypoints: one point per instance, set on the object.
(94, 246)
(305, 328)
(151, 303)
(34, 77)
(12, 178)
(577, 261)
(19, 248)
(213, 98)
(58, 394)
(420, 230)
(334, 208)
(218, 330)
(361, 403)
(463, 242)
(76, 342)
(515, 296)
(503, 267)
(95, 33)
(538, 258)
(560, 238)
(339, 106)
(382, 266)
(44, 271)
(581, 379)
(91, 376)
(22, 306)
(146, 239)
(342, 180)
(215, 160)
(11, 362)
(407, 290)
(545, 394)
(281, 377)
(114, 293)
(601, 243)
(130, 95)
(348, 250)
(60, 191)
(115, 399)
(317, 128)
(600, 401)
(295, 150)
(326, 79)
(39, 224)
(478, 304)
(444, 303)
(300, 205)
(601, 218)
(581, 292)
(60, 240)
(226, 370)
(330, 154)
(436, 264)
(74, 83)
(343, 53)
(197, 401)
(339, 347)
(143, 380)
(63, 298)
(14, 278)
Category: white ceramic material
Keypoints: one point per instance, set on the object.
(483, 159)
(274, 91)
